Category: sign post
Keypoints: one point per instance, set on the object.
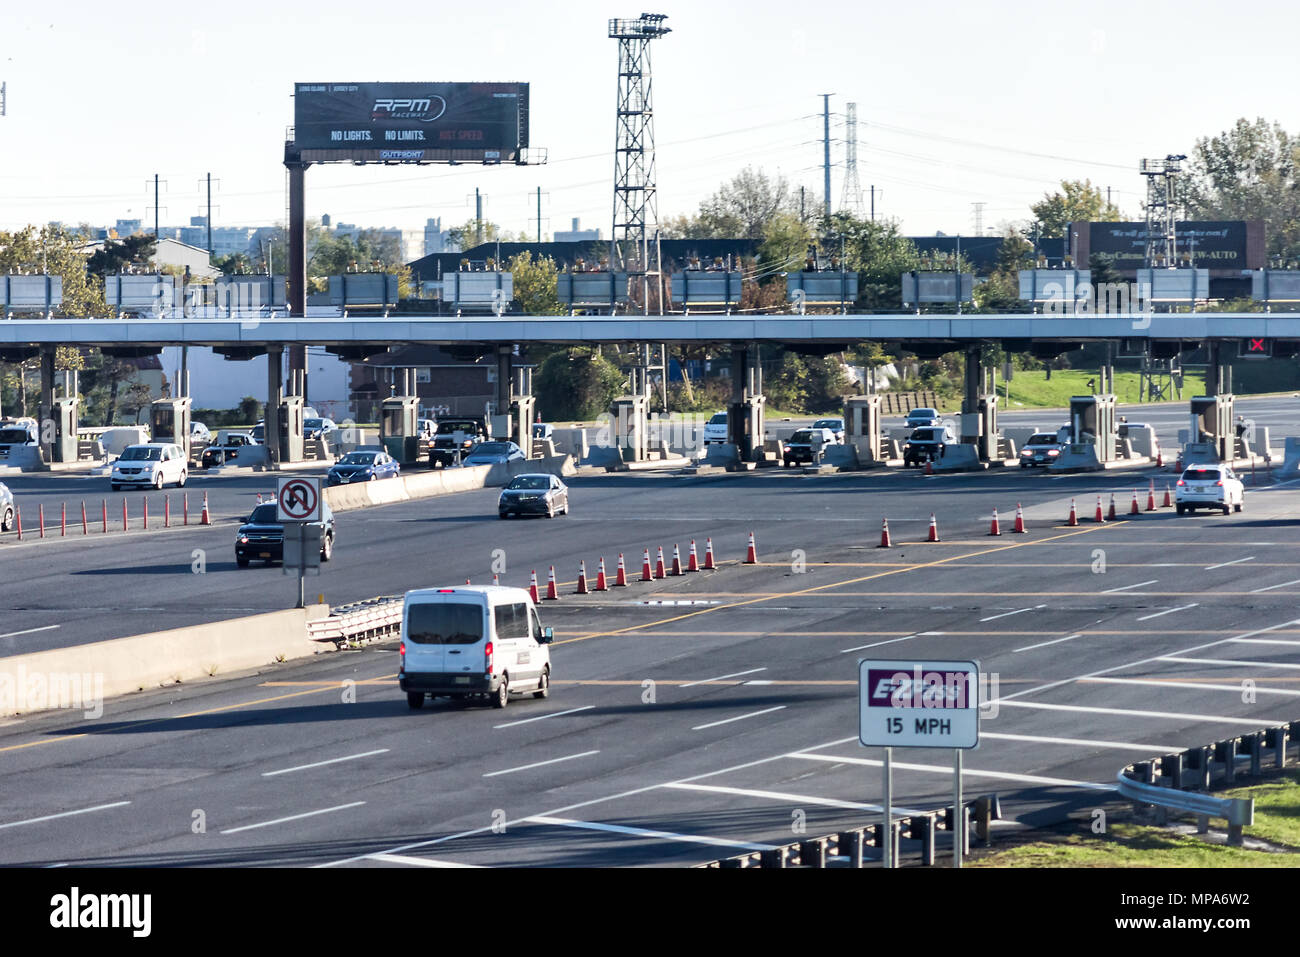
(298, 507)
(919, 704)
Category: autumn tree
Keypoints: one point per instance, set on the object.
(1077, 201)
(535, 283)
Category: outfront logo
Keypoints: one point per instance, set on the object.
(422, 110)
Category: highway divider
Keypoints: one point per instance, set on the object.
(81, 676)
(427, 484)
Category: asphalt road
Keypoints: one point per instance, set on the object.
(690, 718)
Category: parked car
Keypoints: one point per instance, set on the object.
(715, 430)
(494, 453)
(1209, 486)
(1041, 449)
(806, 445)
(315, 428)
(528, 494)
(835, 425)
(363, 465)
(259, 433)
(920, 417)
(927, 444)
(226, 449)
(454, 439)
(7, 508)
(152, 464)
(261, 538)
(200, 432)
(484, 640)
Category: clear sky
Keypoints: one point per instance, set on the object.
(958, 102)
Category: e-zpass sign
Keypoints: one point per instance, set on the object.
(918, 704)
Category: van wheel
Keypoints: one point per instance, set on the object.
(327, 548)
(503, 693)
(543, 684)
(180, 483)
(415, 700)
(158, 482)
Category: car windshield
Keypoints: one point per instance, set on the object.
(719, 419)
(264, 514)
(925, 435)
(1202, 475)
(832, 424)
(359, 458)
(491, 448)
(313, 423)
(457, 425)
(922, 413)
(803, 435)
(444, 623)
(530, 482)
(142, 453)
(14, 436)
(1042, 438)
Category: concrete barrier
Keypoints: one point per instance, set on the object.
(1077, 458)
(1291, 457)
(841, 456)
(959, 457)
(45, 679)
(433, 482)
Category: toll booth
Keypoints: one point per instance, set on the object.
(745, 426)
(629, 426)
(1212, 423)
(64, 448)
(862, 426)
(289, 424)
(399, 429)
(987, 438)
(169, 421)
(522, 410)
(1092, 422)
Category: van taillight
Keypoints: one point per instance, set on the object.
(487, 653)
(401, 656)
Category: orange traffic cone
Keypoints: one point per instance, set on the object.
(620, 577)
(466, 581)
(751, 556)
(1074, 515)
(601, 583)
(1019, 527)
(692, 562)
(659, 563)
(884, 534)
(1169, 502)
(205, 518)
(646, 574)
(496, 579)
(1099, 519)
(995, 529)
(708, 555)
(532, 588)
(1160, 458)
(1135, 510)
(934, 529)
(1151, 497)
(1111, 513)
(552, 593)
(929, 467)
(677, 560)
(582, 579)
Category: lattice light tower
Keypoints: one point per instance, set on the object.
(851, 200)
(634, 239)
(1162, 243)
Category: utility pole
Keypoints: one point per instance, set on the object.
(209, 217)
(826, 148)
(539, 214)
(979, 218)
(2, 99)
(851, 196)
(478, 217)
(873, 202)
(155, 207)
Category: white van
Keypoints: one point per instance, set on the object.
(473, 640)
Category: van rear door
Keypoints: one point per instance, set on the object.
(444, 637)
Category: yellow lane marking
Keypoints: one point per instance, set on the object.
(819, 588)
(1141, 593)
(326, 684)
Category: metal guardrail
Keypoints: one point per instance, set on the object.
(1173, 782)
(369, 620)
(848, 848)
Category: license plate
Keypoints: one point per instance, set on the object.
(263, 554)
(462, 680)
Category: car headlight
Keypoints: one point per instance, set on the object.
(243, 539)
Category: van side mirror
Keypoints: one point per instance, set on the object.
(548, 635)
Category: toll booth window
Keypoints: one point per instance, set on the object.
(444, 623)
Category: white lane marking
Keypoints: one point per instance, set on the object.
(320, 764)
(416, 861)
(1083, 742)
(966, 772)
(646, 832)
(1168, 611)
(1266, 641)
(1236, 689)
(538, 764)
(704, 681)
(51, 817)
(543, 717)
(876, 644)
(1008, 614)
(1044, 644)
(1111, 591)
(785, 796)
(29, 631)
(1210, 568)
(1229, 663)
(1256, 591)
(292, 817)
(742, 717)
(1129, 712)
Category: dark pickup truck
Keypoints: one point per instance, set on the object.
(454, 439)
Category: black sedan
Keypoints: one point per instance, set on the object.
(261, 538)
(539, 494)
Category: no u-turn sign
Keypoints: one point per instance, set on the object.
(298, 499)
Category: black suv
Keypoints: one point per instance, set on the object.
(454, 439)
(261, 538)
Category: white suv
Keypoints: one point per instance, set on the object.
(1209, 486)
(715, 430)
(153, 463)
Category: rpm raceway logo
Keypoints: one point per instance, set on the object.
(422, 110)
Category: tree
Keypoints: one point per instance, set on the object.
(55, 251)
(535, 282)
(115, 255)
(1249, 172)
(878, 252)
(1001, 292)
(742, 208)
(786, 239)
(1077, 201)
(576, 385)
(235, 264)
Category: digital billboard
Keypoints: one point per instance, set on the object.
(1219, 246)
(411, 122)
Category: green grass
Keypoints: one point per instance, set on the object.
(1033, 390)
(1277, 820)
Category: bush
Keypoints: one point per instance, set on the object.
(576, 387)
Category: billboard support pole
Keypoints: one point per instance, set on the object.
(297, 256)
